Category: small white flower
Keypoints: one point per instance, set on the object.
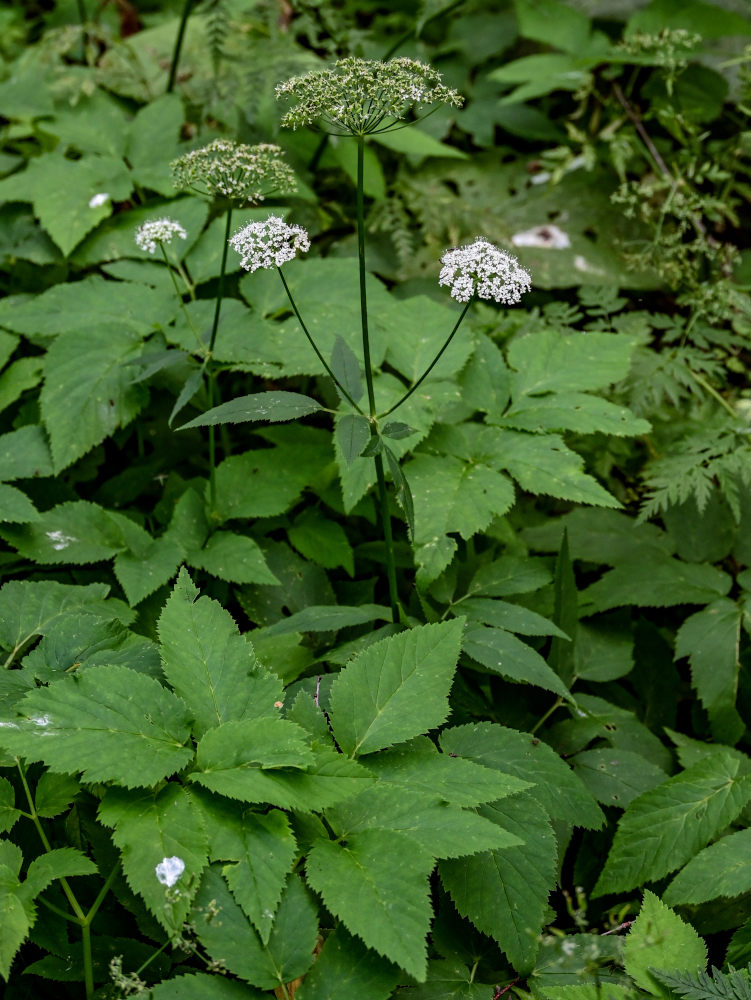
(269, 243)
(169, 870)
(157, 231)
(99, 199)
(483, 270)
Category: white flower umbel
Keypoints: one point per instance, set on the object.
(169, 870)
(244, 174)
(269, 244)
(359, 96)
(156, 231)
(483, 270)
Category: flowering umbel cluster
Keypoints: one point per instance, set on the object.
(483, 270)
(244, 174)
(359, 96)
(269, 243)
(158, 231)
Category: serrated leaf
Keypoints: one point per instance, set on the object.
(396, 689)
(269, 407)
(510, 575)
(352, 434)
(77, 532)
(442, 829)
(511, 617)
(711, 641)
(556, 787)
(209, 664)
(54, 793)
(15, 506)
(322, 540)
(397, 430)
(190, 387)
(658, 582)
(345, 969)
(82, 404)
(110, 723)
(346, 367)
(448, 979)
(659, 939)
(232, 557)
(573, 411)
(153, 825)
(60, 862)
(550, 362)
(153, 141)
(228, 935)
(202, 986)
(403, 491)
(25, 454)
(616, 777)
(377, 884)
(418, 766)
(16, 379)
(664, 828)
(721, 870)
(8, 812)
(13, 919)
(327, 618)
(504, 893)
(565, 615)
(328, 780)
(263, 848)
(142, 574)
(504, 654)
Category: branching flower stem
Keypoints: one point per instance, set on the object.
(84, 920)
(378, 458)
(210, 369)
(314, 345)
(431, 366)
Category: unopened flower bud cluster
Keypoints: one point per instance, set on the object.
(244, 174)
(158, 231)
(269, 244)
(483, 270)
(359, 96)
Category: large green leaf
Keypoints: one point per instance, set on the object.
(573, 411)
(153, 142)
(616, 777)
(224, 931)
(83, 403)
(396, 689)
(327, 618)
(345, 969)
(504, 892)
(109, 722)
(376, 883)
(15, 506)
(549, 362)
(233, 557)
(556, 787)
(260, 407)
(711, 640)
(203, 986)
(665, 827)
(153, 825)
(24, 454)
(659, 939)
(504, 654)
(721, 870)
(448, 979)
(657, 582)
(77, 532)
(209, 664)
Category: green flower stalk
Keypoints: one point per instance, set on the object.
(363, 96)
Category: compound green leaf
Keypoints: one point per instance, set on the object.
(209, 664)
(142, 574)
(153, 825)
(573, 411)
(556, 787)
(327, 618)
(345, 969)
(504, 892)
(109, 722)
(228, 936)
(377, 884)
(352, 434)
(721, 870)
(511, 617)
(82, 404)
(711, 641)
(658, 582)
(659, 939)
(263, 848)
(260, 407)
(504, 654)
(548, 362)
(61, 862)
(77, 532)
(448, 979)
(396, 689)
(54, 793)
(665, 827)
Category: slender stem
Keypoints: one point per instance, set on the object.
(180, 299)
(191, 288)
(553, 708)
(315, 346)
(178, 45)
(94, 908)
(220, 289)
(88, 967)
(210, 385)
(713, 392)
(210, 371)
(151, 958)
(432, 364)
(57, 910)
(377, 459)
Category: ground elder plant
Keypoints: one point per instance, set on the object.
(369, 637)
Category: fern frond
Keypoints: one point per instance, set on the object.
(217, 30)
(733, 985)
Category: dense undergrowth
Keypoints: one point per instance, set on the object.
(300, 699)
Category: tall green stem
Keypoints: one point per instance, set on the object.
(377, 459)
(179, 44)
(432, 364)
(210, 370)
(179, 295)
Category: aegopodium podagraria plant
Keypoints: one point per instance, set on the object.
(233, 175)
(359, 97)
